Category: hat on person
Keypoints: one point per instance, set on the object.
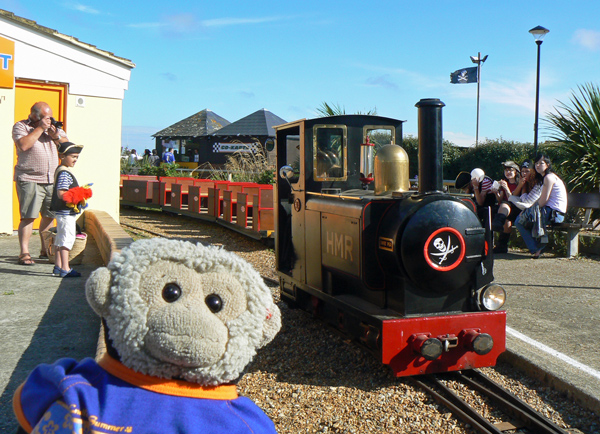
(478, 174)
(67, 148)
(526, 164)
(462, 180)
(511, 164)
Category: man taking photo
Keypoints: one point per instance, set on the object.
(36, 139)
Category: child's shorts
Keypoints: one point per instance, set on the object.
(66, 229)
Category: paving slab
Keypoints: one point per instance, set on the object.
(553, 321)
(42, 318)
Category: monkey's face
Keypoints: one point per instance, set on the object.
(188, 313)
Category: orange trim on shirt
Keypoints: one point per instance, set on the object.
(19, 410)
(164, 385)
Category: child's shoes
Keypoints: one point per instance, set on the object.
(56, 271)
(70, 273)
(59, 272)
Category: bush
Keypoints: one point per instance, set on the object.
(163, 170)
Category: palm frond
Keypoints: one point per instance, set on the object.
(576, 129)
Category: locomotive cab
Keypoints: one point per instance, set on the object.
(392, 267)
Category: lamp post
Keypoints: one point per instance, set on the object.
(538, 34)
(478, 60)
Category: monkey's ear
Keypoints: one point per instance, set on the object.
(271, 325)
(97, 290)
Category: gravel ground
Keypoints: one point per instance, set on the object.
(311, 380)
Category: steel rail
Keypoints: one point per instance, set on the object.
(505, 401)
(456, 405)
(510, 403)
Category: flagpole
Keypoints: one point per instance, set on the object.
(478, 60)
(478, 84)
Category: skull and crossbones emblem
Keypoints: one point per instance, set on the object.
(444, 249)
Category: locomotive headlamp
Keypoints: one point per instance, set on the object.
(492, 297)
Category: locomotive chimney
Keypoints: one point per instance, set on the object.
(430, 145)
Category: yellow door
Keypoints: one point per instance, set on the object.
(26, 95)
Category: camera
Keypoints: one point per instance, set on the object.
(57, 124)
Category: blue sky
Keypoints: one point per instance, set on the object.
(289, 56)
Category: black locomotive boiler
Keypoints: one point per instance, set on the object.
(408, 274)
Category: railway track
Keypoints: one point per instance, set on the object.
(520, 413)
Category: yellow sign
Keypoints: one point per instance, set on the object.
(7, 63)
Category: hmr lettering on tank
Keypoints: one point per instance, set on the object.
(339, 245)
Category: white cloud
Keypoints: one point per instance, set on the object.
(146, 25)
(180, 24)
(169, 76)
(222, 22)
(520, 94)
(459, 139)
(83, 8)
(184, 23)
(589, 39)
(382, 81)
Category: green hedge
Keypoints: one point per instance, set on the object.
(488, 156)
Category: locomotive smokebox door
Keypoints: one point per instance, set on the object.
(441, 246)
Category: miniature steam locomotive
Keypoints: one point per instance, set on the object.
(408, 274)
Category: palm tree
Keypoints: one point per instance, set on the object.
(577, 129)
(337, 110)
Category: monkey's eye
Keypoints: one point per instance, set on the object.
(171, 292)
(214, 303)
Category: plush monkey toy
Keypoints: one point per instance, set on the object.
(181, 321)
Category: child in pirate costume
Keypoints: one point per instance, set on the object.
(66, 217)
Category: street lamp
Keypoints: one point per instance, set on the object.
(478, 60)
(538, 34)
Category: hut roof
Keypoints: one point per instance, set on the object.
(259, 123)
(203, 123)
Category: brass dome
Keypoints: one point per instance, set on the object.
(391, 170)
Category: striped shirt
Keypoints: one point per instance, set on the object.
(38, 163)
(64, 180)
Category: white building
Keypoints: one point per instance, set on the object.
(85, 87)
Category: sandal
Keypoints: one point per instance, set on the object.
(539, 253)
(25, 259)
(43, 254)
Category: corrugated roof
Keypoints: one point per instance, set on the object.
(66, 38)
(259, 123)
(203, 123)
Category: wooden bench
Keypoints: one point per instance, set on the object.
(577, 201)
(245, 202)
(215, 195)
(179, 192)
(141, 191)
(198, 195)
(263, 218)
(165, 188)
(230, 198)
(134, 177)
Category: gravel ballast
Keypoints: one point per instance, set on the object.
(312, 380)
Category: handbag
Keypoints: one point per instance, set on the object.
(527, 218)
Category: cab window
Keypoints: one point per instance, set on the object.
(329, 153)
